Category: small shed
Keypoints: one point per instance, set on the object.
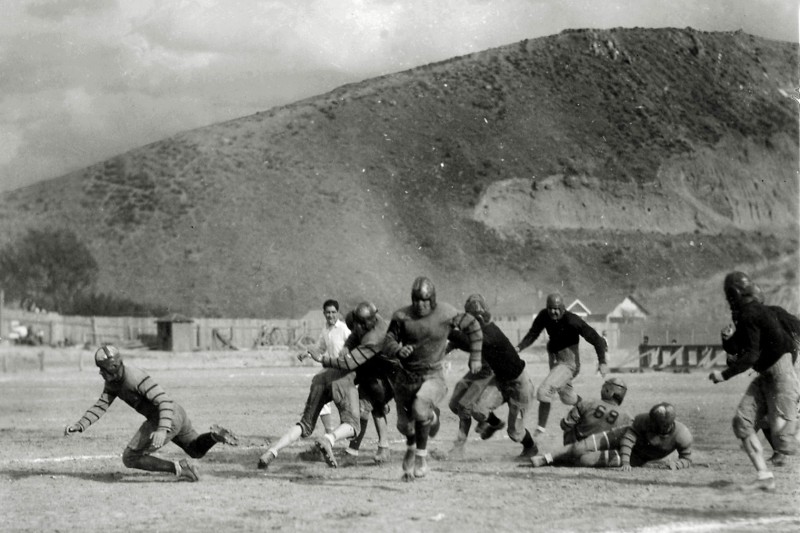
(175, 333)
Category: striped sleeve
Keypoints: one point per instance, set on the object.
(469, 325)
(95, 412)
(357, 357)
(626, 445)
(151, 390)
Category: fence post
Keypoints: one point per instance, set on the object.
(40, 355)
(94, 332)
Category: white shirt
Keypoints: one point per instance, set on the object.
(331, 340)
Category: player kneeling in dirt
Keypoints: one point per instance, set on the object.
(655, 435)
(335, 382)
(166, 420)
(593, 430)
(502, 379)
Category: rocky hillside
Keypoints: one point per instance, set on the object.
(594, 162)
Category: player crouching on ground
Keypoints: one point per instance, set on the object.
(502, 379)
(166, 420)
(655, 435)
(593, 430)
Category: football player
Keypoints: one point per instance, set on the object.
(417, 338)
(593, 430)
(165, 420)
(503, 379)
(655, 435)
(564, 329)
(758, 340)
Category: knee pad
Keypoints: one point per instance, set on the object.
(543, 394)
(421, 411)
(787, 439)
(741, 427)
(129, 457)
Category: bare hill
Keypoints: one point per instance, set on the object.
(594, 162)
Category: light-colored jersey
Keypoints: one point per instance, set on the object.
(588, 417)
(428, 335)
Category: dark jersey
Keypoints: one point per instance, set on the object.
(497, 351)
(645, 444)
(363, 352)
(140, 391)
(759, 340)
(428, 335)
(563, 333)
(588, 417)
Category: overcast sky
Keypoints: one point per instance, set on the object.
(83, 80)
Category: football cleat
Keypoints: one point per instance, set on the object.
(225, 436)
(538, 461)
(767, 485)
(326, 449)
(529, 452)
(265, 460)
(778, 459)
(420, 466)
(188, 471)
(348, 459)
(490, 430)
(383, 455)
(408, 465)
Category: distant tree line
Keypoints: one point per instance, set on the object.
(52, 270)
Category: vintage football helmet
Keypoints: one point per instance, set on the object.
(662, 418)
(613, 390)
(108, 358)
(366, 315)
(476, 306)
(740, 289)
(423, 289)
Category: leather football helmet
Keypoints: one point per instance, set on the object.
(662, 418)
(613, 390)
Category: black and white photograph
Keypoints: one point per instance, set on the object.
(374, 265)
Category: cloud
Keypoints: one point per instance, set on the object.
(86, 79)
(58, 10)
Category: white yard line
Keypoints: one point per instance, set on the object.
(37, 460)
(713, 526)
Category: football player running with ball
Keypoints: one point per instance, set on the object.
(417, 338)
(165, 420)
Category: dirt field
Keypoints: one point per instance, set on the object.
(52, 483)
